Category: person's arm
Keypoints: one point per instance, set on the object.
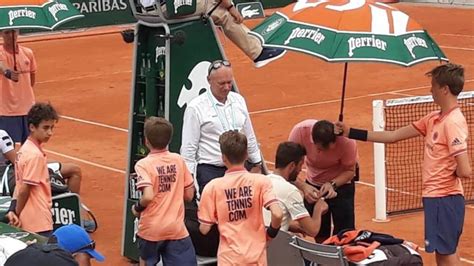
(463, 169)
(10, 155)
(402, 133)
(328, 189)
(146, 186)
(207, 209)
(32, 79)
(277, 215)
(191, 133)
(311, 225)
(253, 149)
(8, 73)
(311, 194)
(22, 197)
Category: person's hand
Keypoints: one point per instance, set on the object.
(341, 129)
(135, 213)
(321, 206)
(12, 75)
(236, 15)
(327, 191)
(311, 194)
(31, 242)
(13, 219)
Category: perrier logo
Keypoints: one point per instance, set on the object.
(20, 13)
(180, 3)
(54, 9)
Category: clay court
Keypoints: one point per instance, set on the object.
(88, 77)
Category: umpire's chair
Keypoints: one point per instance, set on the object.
(318, 253)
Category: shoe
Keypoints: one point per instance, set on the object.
(267, 55)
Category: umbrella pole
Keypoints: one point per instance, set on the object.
(14, 50)
(341, 116)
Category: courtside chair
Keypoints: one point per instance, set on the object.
(279, 253)
(319, 253)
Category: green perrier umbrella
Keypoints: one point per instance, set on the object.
(349, 30)
(42, 14)
(35, 14)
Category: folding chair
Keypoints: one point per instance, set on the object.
(279, 253)
(318, 253)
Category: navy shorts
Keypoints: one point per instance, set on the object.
(16, 127)
(174, 252)
(444, 219)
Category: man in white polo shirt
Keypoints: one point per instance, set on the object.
(288, 163)
(208, 116)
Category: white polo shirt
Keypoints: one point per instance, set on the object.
(205, 119)
(6, 145)
(290, 199)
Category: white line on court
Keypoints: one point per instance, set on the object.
(455, 35)
(83, 77)
(93, 123)
(86, 161)
(457, 48)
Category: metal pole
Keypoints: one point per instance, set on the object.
(341, 116)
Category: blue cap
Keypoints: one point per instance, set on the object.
(74, 238)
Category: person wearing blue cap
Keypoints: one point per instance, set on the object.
(75, 239)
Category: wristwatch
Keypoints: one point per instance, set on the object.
(7, 73)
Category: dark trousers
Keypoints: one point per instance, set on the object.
(206, 172)
(341, 208)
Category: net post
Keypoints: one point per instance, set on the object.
(378, 124)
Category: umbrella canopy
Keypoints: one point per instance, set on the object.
(43, 14)
(349, 30)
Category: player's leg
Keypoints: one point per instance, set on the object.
(444, 220)
(73, 176)
(179, 252)
(342, 208)
(149, 251)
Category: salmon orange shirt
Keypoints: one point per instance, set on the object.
(168, 175)
(234, 202)
(445, 138)
(324, 166)
(16, 98)
(31, 169)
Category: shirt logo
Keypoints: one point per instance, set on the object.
(456, 142)
(435, 136)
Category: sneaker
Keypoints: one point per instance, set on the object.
(267, 55)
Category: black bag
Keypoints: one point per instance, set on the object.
(204, 245)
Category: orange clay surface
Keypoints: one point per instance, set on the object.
(88, 79)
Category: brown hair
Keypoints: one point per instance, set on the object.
(450, 75)
(234, 146)
(323, 133)
(158, 132)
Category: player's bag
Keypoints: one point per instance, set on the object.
(8, 181)
(370, 248)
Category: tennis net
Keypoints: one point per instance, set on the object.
(402, 162)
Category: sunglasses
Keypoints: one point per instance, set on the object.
(91, 245)
(217, 64)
